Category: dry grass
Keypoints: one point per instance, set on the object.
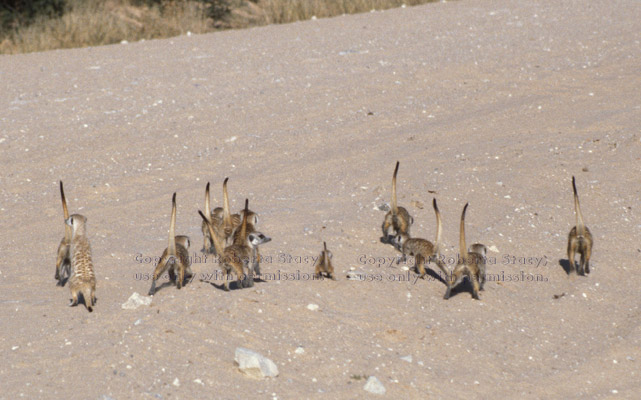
(99, 22)
(284, 11)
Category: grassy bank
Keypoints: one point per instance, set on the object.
(99, 22)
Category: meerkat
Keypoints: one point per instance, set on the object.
(468, 265)
(397, 218)
(324, 264)
(479, 250)
(175, 257)
(82, 279)
(421, 249)
(63, 261)
(229, 222)
(579, 239)
(215, 217)
(239, 238)
(237, 256)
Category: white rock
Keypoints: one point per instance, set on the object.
(407, 358)
(312, 307)
(254, 365)
(374, 386)
(135, 301)
(176, 382)
(493, 249)
(299, 350)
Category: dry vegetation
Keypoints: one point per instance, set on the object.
(99, 22)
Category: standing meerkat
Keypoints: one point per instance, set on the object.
(421, 249)
(397, 218)
(324, 264)
(239, 238)
(215, 217)
(579, 239)
(237, 256)
(468, 265)
(82, 279)
(63, 261)
(175, 257)
(229, 221)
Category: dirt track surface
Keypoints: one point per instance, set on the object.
(495, 103)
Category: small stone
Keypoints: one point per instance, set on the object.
(354, 276)
(176, 382)
(299, 350)
(407, 358)
(374, 386)
(198, 381)
(254, 365)
(135, 301)
(312, 307)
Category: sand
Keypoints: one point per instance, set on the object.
(496, 103)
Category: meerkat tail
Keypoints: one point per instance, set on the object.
(580, 227)
(226, 213)
(217, 244)
(394, 203)
(325, 258)
(207, 201)
(172, 228)
(243, 227)
(65, 211)
(462, 246)
(87, 295)
(439, 228)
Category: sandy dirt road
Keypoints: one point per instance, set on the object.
(496, 103)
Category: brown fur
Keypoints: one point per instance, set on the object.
(324, 265)
(421, 249)
(579, 240)
(82, 279)
(175, 258)
(63, 260)
(469, 265)
(397, 218)
(237, 256)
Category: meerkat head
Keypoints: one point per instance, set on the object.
(257, 238)
(76, 220)
(478, 248)
(399, 240)
(183, 241)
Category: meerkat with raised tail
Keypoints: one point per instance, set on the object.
(422, 250)
(229, 222)
(468, 265)
(215, 217)
(63, 260)
(579, 240)
(237, 256)
(397, 218)
(175, 258)
(82, 279)
(323, 265)
(239, 238)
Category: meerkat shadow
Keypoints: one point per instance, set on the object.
(464, 287)
(233, 285)
(163, 285)
(62, 282)
(565, 264)
(430, 274)
(81, 300)
(386, 240)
